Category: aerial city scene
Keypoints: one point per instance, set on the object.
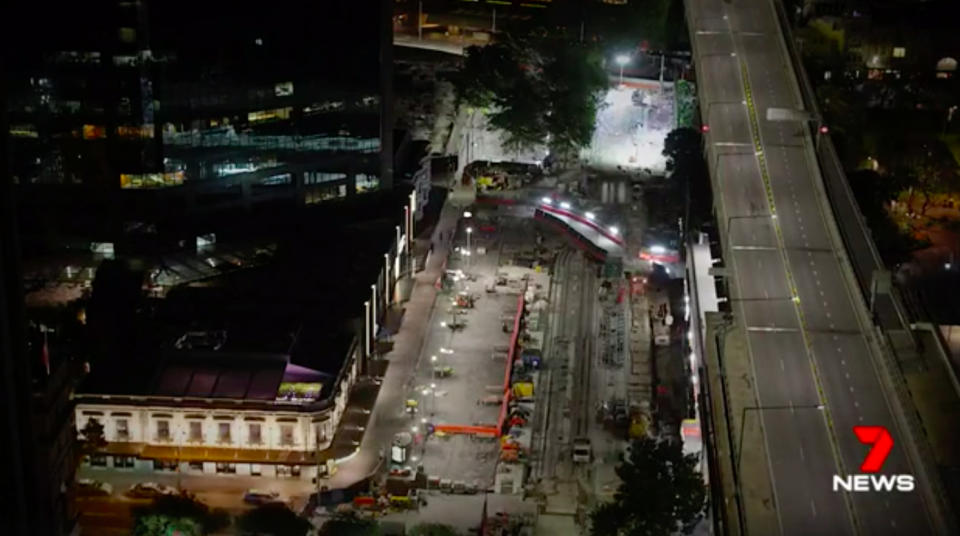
(480, 267)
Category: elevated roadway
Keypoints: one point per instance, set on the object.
(792, 289)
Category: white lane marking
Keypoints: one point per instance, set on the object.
(813, 507)
(781, 365)
(851, 388)
(802, 456)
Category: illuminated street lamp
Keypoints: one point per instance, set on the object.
(565, 205)
(614, 231)
(469, 250)
(590, 215)
(467, 214)
(622, 60)
(547, 201)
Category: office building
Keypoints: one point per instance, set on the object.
(159, 117)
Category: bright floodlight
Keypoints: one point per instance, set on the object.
(623, 59)
(469, 230)
(658, 250)
(433, 358)
(433, 386)
(547, 201)
(590, 215)
(614, 231)
(467, 214)
(564, 205)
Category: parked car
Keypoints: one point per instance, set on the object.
(149, 490)
(259, 496)
(93, 488)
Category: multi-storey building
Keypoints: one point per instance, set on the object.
(228, 413)
(145, 116)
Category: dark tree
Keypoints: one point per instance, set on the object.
(169, 514)
(350, 525)
(273, 520)
(873, 191)
(660, 492)
(432, 529)
(545, 91)
(93, 438)
(575, 81)
(682, 145)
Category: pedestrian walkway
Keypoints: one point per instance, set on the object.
(387, 417)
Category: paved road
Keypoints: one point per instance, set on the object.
(802, 335)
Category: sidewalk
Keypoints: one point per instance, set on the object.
(387, 417)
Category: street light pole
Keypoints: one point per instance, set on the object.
(622, 60)
(469, 251)
(420, 20)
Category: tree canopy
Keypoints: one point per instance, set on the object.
(660, 491)
(273, 520)
(177, 513)
(433, 529)
(537, 92)
(349, 525)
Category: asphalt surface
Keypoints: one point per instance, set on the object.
(797, 338)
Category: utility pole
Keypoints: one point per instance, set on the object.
(662, 56)
(420, 20)
(493, 28)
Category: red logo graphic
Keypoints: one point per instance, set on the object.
(882, 442)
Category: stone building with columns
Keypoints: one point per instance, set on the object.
(251, 372)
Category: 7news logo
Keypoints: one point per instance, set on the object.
(881, 444)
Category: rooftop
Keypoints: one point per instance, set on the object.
(271, 328)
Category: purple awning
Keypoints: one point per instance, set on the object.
(298, 374)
